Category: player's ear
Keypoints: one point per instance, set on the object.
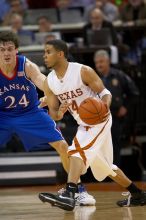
(61, 53)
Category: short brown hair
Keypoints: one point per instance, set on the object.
(6, 36)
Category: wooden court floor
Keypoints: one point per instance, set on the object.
(22, 203)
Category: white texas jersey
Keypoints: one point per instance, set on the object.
(70, 88)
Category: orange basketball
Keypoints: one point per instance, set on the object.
(92, 111)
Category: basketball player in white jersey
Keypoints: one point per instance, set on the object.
(69, 84)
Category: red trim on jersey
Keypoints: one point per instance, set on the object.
(15, 71)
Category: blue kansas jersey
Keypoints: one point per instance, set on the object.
(17, 94)
(19, 112)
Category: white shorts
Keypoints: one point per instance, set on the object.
(94, 146)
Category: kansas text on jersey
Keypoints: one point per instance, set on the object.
(17, 94)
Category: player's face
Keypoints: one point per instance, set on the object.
(51, 56)
(7, 53)
(102, 64)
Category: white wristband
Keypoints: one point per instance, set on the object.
(104, 92)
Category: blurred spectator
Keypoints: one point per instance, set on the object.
(49, 37)
(110, 11)
(97, 22)
(43, 37)
(124, 94)
(4, 8)
(25, 37)
(16, 6)
(67, 13)
(45, 31)
(134, 12)
(45, 25)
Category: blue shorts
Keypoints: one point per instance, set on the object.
(35, 129)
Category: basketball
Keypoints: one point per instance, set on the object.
(92, 111)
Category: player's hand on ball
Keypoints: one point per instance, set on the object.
(105, 116)
(93, 111)
(43, 102)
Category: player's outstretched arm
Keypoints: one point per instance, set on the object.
(34, 74)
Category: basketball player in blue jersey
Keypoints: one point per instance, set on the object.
(70, 83)
(19, 111)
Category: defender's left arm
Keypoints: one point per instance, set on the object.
(34, 74)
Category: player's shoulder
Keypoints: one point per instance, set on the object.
(86, 68)
(20, 59)
(82, 67)
(75, 66)
(51, 73)
(50, 77)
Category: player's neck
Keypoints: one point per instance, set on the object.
(8, 69)
(61, 69)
